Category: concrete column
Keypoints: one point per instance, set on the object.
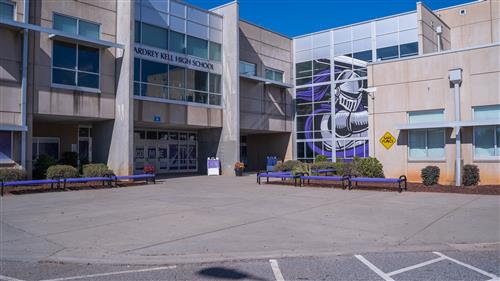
(229, 144)
(120, 158)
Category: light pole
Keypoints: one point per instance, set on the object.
(455, 76)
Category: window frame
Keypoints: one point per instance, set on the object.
(77, 23)
(427, 158)
(14, 7)
(274, 71)
(496, 139)
(11, 160)
(76, 70)
(249, 63)
(37, 141)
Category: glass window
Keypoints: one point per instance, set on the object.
(6, 12)
(197, 47)
(215, 83)
(47, 146)
(64, 55)
(426, 116)
(387, 25)
(88, 29)
(248, 68)
(321, 67)
(410, 49)
(361, 31)
(177, 42)
(215, 51)
(154, 36)
(137, 69)
(5, 146)
(490, 112)
(303, 69)
(75, 65)
(426, 144)
(274, 75)
(387, 53)
(197, 80)
(486, 141)
(177, 76)
(88, 59)
(137, 32)
(66, 24)
(342, 35)
(76, 26)
(154, 72)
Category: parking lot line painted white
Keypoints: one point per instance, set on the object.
(276, 270)
(416, 266)
(112, 273)
(375, 269)
(7, 278)
(492, 276)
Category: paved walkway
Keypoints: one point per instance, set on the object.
(197, 219)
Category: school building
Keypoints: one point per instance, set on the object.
(165, 83)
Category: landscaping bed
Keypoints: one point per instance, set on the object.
(412, 187)
(18, 190)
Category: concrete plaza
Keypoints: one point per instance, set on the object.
(202, 219)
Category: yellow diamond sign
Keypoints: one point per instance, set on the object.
(387, 140)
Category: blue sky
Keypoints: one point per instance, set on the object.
(297, 17)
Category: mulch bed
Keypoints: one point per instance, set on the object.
(18, 190)
(412, 187)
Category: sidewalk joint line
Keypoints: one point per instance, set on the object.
(7, 278)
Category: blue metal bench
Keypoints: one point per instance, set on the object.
(324, 171)
(278, 175)
(399, 181)
(104, 180)
(28, 182)
(271, 161)
(146, 177)
(343, 179)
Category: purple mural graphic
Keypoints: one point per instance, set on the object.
(351, 116)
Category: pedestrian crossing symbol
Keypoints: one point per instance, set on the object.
(387, 140)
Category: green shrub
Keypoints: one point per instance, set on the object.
(430, 175)
(368, 167)
(96, 170)
(287, 166)
(347, 169)
(12, 174)
(41, 164)
(470, 175)
(321, 158)
(69, 158)
(62, 171)
(323, 165)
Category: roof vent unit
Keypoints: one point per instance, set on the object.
(462, 12)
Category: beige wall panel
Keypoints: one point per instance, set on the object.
(11, 45)
(398, 73)
(107, 107)
(43, 76)
(495, 30)
(151, 109)
(215, 116)
(108, 84)
(105, 4)
(43, 52)
(108, 62)
(11, 118)
(10, 98)
(250, 105)
(177, 114)
(391, 98)
(197, 116)
(62, 103)
(475, 13)
(430, 94)
(10, 71)
(476, 34)
(86, 104)
(106, 18)
(484, 89)
(42, 101)
(484, 60)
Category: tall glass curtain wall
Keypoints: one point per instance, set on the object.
(331, 75)
(184, 30)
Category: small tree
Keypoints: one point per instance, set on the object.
(320, 158)
(41, 164)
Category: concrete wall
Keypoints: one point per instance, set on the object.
(265, 107)
(175, 115)
(478, 26)
(55, 101)
(422, 83)
(428, 39)
(229, 143)
(10, 77)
